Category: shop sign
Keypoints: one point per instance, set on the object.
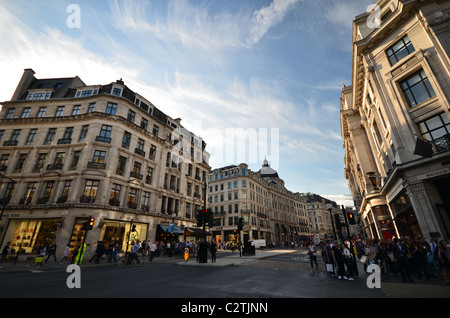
(435, 173)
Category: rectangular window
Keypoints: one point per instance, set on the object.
(131, 115)
(83, 133)
(76, 110)
(132, 198)
(121, 166)
(29, 193)
(91, 107)
(4, 162)
(50, 136)
(10, 113)
(40, 163)
(65, 191)
(99, 156)
(152, 155)
(41, 112)
(435, 128)
(114, 196)
(399, 50)
(31, 137)
(90, 191)
(47, 192)
(126, 140)
(111, 109)
(117, 91)
(25, 112)
(105, 134)
(75, 159)
(20, 163)
(145, 201)
(59, 111)
(417, 88)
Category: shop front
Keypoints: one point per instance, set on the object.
(124, 233)
(404, 216)
(26, 234)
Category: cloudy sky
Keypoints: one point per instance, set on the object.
(270, 70)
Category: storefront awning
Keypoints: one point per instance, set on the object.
(196, 231)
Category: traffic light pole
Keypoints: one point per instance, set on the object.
(346, 221)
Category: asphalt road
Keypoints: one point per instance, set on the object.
(284, 276)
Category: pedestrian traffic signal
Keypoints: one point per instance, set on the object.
(133, 228)
(351, 218)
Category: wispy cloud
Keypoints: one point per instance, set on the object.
(268, 17)
(195, 26)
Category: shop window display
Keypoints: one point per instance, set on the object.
(25, 234)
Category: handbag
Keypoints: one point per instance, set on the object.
(364, 259)
(330, 268)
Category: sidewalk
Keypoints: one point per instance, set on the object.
(394, 287)
(224, 258)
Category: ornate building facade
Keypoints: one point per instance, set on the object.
(269, 210)
(395, 119)
(70, 151)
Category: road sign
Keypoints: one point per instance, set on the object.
(186, 253)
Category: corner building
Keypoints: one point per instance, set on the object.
(395, 120)
(70, 151)
(270, 211)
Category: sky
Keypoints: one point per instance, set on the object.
(269, 70)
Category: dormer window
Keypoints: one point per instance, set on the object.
(39, 95)
(117, 91)
(86, 92)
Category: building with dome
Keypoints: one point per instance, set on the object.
(269, 210)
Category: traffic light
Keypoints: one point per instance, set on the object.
(91, 223)
(351, 218)
(209, 217)
(241, 224)
(88, 225)
(133, 228)
(199, 218)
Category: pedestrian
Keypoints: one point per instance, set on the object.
(338, 258)
(329, 263)
(213, 250)
(153, 248)
(399, 251)
(52, 252)
(109, 252)
(5, 252)
(115, 251)
(98, 252)
(419, 261)
(65, 254)
(348, 260)
(39, 257)
(312, 255)
(443, 258)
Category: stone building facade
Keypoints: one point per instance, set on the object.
(70, 151)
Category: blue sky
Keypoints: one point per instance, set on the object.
(273, 69)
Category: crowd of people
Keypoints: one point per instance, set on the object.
(408, 258)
